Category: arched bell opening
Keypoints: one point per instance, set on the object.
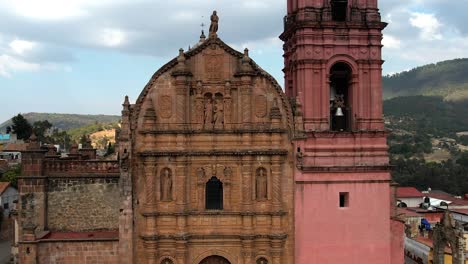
(214, 194)
(339, 10)
(340, 93)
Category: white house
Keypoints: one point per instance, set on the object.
(8, 195)
(409, 197)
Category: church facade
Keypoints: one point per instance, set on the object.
(218, 165)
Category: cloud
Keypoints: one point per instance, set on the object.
(391, 42)
(9, 64)
(21, 46)
(428, 24)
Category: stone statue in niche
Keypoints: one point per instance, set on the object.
(261, 184)
(218, 113)
(227, 172)
(166, 185)
(208, 111)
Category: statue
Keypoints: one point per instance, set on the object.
(261, 184)
(166, 185)
(214, 25)
(201, 173)
(218, 113)
(208, 111)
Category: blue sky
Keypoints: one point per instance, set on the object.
(84, 56)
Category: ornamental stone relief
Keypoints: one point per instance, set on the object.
(260, 106)
(165, 106)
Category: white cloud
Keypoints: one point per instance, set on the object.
(21, 46)
(391, 42)
(428, 24)
(112, 37)
(9, 64)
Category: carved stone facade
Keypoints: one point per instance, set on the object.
(211, 174)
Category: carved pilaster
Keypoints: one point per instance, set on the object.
(247, 191)
(150, 170)
(276, 172)
(246, 105)
(180, 184)
(248, 251)
(151, 248)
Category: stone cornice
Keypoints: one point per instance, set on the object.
(216, 131)
(211, 213)
(339, 169)
(213, 153)
(187, 237)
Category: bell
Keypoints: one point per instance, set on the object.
(339, 112)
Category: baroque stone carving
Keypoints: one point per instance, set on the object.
(165, 106)
(208, 111)
(166, 185)
(218, 117)
(261, 184)
(214, 25)
(260, 106)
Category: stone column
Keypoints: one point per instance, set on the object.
(247, 251)
(246, 99)
(179, 188)
(151, 248)
(276, 172)
(277, 251)
(151, 172)
(247, 191)
(181, 251)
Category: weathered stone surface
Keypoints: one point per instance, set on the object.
(96, 252)
(83, 204)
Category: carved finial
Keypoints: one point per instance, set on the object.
(202, 36)
(214, 25)
(181, 53)
(126, 101)
(246, 52)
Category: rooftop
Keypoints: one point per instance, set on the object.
(408, 192)
(3, 187)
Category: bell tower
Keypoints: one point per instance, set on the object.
(333, 69)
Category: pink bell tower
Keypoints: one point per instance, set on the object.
(333, 69)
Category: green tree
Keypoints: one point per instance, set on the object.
(21, 127)
(40, 128)
(12, 175)
(110, 149)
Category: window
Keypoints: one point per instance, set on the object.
(344, 199)
(339, 9)
(214, 194)
(6, 206)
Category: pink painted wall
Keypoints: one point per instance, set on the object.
(326, 233)
(398, 241)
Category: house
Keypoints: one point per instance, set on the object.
(409, 197)
(8, 195)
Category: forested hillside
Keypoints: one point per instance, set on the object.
(65, 121)
(448, 79)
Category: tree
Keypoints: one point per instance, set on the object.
(21, 127)
(110, 149)
(11, 176)
(40, 128)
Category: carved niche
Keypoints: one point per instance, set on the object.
(213, 111)
(166, 185)
(165, 106)
(261, 184)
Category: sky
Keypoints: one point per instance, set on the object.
(84, 56)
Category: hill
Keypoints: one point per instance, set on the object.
(447, 79)
(66, 121)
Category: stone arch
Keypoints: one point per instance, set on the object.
(262, 260)
(167, 260)
(340, 87)
(214, 259)
(214, 194)
(215, 252)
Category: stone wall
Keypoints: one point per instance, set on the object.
(83, 204)
(89, 252)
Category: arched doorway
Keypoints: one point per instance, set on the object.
(215, 260)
